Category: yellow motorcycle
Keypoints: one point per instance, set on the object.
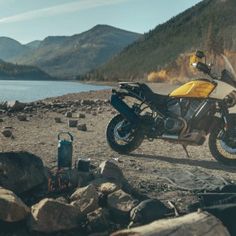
(186, 116)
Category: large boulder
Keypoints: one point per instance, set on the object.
(12, 209)
(147, 211)
(120, 204)
(21, 171)
(198, 224)
(86, 199)
(98, 220)
(50, 215)
(108, 187)
(111, 171)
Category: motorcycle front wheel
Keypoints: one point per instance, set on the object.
(223, 151)
(122, 137)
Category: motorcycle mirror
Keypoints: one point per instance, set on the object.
(200, 54)
(203, 67)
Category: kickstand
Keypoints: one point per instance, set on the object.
(186, 151)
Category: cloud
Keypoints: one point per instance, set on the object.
(58, 9)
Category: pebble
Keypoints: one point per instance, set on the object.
(82, 127)
(58, 119)
(7, 133)
(68, 114)
(22, 117)
(72, 123)
(81, 115)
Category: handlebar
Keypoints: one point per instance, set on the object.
(205, 69)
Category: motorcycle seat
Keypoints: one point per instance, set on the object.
(153, 97)
(156, 99)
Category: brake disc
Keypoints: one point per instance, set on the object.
(117, 132)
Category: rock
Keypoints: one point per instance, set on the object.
(15, 105)
(111, 171)
(99, 110)
(28, 109)
(21, 171)
(12, 209)
(84, 178)
(198, 224)
(120, 205)
(7, 133)
(98, 181)
(58, 119)
(62, 199)
(3, 105)
(86, 199)
(82, 127)
(81, 115)
(22, 117)
(1, 120)
(148, 211)
(50, 216)
(94, 113)
(68, 114)
(98, 220)
(107, 188)
(88, 111)
(72, 123)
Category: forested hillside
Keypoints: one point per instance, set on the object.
(210, 25)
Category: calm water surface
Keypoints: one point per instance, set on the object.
(27, 91)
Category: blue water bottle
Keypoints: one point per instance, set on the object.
(65, 150)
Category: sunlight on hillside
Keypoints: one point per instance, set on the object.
(158, 76)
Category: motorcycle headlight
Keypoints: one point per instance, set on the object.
(231, 99)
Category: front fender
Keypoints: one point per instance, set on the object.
(217, 121)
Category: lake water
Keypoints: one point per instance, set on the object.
(27, 91)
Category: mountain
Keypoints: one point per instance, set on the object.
(10, 48)
(34, 44)
(68, 56)
(210, 25)
(21, 72)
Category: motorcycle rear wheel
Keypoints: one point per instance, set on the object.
(221, 150)
(123, 141)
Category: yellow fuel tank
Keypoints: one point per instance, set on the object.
(194, 89)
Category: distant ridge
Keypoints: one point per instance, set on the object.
(10, 48)
(69, 56)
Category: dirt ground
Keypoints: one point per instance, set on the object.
(141, 168)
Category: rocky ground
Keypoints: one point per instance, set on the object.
(152, 169)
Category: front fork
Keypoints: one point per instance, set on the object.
(227, 127)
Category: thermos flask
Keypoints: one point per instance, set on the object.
(65, 150)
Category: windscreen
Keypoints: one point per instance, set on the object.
(229, 68)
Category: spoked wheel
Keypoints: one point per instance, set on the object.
(222, 148)
(122, 137)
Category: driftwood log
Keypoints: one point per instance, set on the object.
(197, 224)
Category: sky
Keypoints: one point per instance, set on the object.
(28, 20)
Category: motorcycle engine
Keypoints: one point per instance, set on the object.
(174, 124)
(181, 111)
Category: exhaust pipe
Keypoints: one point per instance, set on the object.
(124, 109)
